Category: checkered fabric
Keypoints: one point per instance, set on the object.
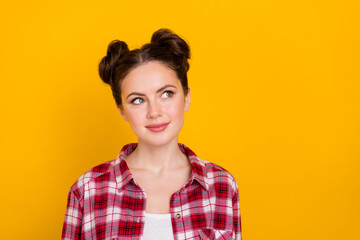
(106, 203)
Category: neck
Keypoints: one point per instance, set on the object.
(156, 158)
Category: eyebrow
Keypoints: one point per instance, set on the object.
(159, 90)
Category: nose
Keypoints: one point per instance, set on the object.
(154, 110)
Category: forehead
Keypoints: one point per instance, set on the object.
(149, 77)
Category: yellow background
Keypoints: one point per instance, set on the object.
(275, 100)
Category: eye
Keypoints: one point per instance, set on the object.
(167, 94)
(137, 101)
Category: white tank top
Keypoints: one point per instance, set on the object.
(158, 226)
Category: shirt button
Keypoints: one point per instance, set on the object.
(138, 220)
(177, 215)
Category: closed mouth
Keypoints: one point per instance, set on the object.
(157, 127)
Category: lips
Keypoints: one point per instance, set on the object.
(157, 127)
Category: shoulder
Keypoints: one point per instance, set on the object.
(104, 175)
(209, 174)
(217, 176)
(94, 174)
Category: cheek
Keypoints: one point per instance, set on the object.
(176, 109)
(134, 117)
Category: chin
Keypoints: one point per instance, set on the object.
(158, 141)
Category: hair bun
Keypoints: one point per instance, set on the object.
(116, 50)
(167, 39)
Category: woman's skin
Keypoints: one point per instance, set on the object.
(154, 104)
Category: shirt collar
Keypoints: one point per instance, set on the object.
(124, 176)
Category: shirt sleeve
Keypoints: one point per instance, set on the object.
(236, 215)
(73, 218)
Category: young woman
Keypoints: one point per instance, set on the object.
(156, 188)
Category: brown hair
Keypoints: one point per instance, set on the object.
(165, 47)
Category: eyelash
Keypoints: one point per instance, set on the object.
(170, 93)
(133, 101)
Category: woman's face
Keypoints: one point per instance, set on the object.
(153, 103)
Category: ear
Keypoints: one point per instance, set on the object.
(187, 101)
(122, 112)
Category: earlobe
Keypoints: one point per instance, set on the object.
(187, 101)
(122, 112)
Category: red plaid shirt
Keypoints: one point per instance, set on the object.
(106, 203)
